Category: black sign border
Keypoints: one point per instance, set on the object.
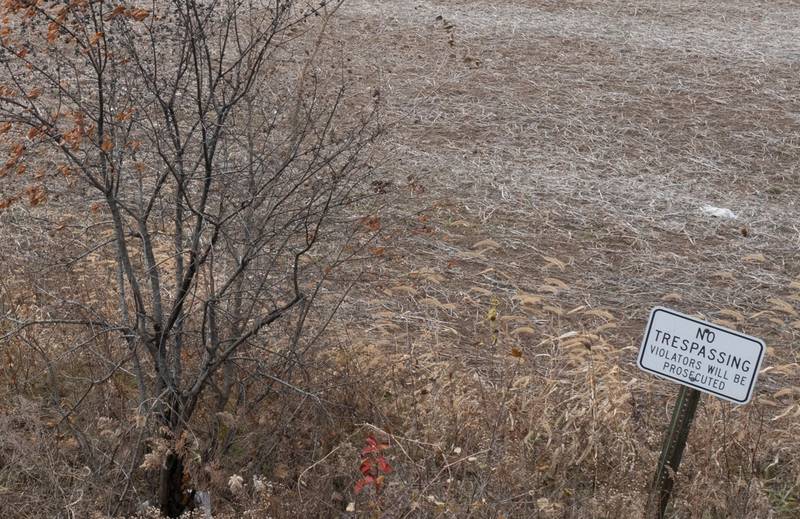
(757, 367)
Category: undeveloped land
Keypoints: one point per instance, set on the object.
(550, 160)
(545, 170)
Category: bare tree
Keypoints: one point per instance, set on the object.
(220, 158)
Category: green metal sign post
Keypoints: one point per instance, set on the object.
(672, 451)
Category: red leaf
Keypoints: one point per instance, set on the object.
(366, 466)
(369, 450)
(383, 465)
(363, 482)
(372, 446)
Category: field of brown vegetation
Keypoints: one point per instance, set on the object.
(541, 181)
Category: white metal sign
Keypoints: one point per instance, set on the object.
(701, 355)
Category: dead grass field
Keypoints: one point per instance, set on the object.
(550, 160)
(546, 163)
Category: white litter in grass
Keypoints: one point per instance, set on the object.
(718, 212)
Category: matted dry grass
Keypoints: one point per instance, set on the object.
(551, 160)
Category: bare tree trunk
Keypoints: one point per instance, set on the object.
(173, 496)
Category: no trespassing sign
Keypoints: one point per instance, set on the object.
(701, 355)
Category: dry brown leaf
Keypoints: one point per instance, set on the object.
(138, 14)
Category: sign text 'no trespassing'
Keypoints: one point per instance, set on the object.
(701, 355)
